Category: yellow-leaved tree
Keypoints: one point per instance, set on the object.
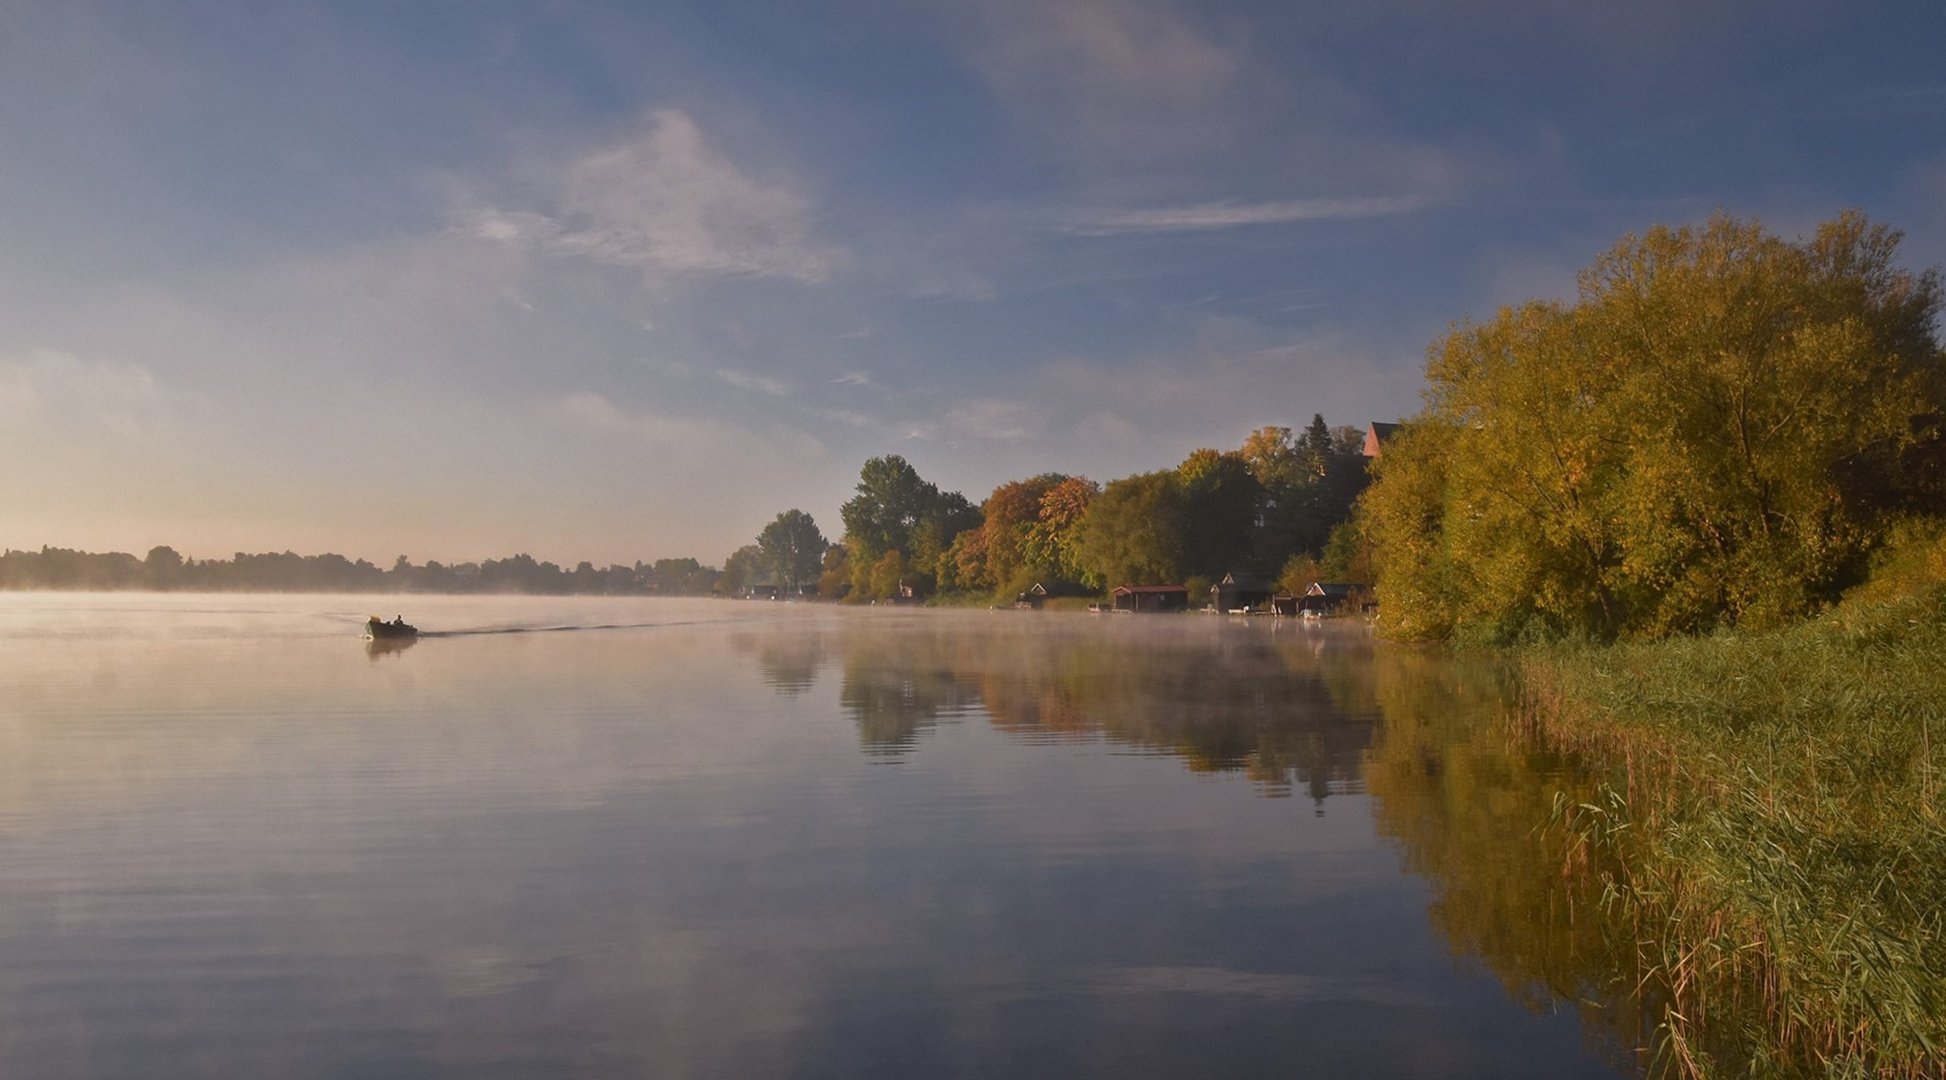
(1718, 431)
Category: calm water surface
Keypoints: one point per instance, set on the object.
(565, 837)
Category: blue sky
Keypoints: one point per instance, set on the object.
(622, 281)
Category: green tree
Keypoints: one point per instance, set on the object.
(793, 549)
(740, 570)
(162, 569)
(1717, 432)
(1314, 446)
(892, 500)
(1132, 533)
(1348, 554)
(1221, 503)
(1309, 484)
(898, 511)
(933, 537)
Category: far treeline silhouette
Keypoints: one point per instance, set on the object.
(165, 569)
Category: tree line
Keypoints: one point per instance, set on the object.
(1277, 506)
(1721, 430)
(166, 570)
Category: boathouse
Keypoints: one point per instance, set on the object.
(1330, 597)
(1151, 598)
(1240, 592)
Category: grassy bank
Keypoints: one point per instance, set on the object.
(1774, 813)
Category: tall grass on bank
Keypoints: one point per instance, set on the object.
(1775, 818)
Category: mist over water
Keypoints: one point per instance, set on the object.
(690, 838)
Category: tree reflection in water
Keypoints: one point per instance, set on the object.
(1468, 802)
(1324, 711)
(1292, 711)
(789, 660)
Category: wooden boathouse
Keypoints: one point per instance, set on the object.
(1151, 598)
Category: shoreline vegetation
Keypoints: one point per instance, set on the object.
(1770, 827)
(1705, 508)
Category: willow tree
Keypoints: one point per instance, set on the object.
(1717, 432)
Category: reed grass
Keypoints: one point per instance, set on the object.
(1774, 828)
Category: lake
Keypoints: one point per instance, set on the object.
(621, 837)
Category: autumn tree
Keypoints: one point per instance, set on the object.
(1011, 513)
(1717, 432)
(964, 566)
(1053, 542)
(834, 580)
(1272, 457)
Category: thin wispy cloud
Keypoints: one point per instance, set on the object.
(665, 199)
(846, 417)
(763, 384)
(1235, 215)
(995, 420)
(1124, 79)
(82, 399)
(594, 414)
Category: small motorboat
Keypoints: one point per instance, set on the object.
(378, 629)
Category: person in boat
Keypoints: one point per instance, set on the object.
(398, 627)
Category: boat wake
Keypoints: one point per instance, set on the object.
(488, 630)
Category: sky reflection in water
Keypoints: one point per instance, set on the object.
(758, 840)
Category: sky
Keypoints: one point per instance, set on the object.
(623, 281)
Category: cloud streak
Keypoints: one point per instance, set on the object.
(1208, 216)
(763, 384)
